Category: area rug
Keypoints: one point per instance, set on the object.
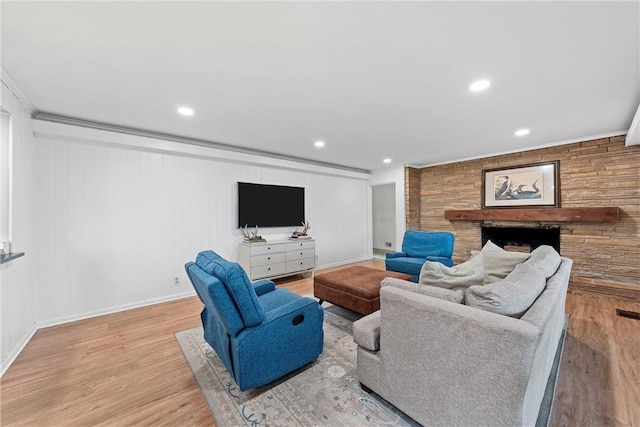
(324, 393)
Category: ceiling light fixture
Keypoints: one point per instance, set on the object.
(319, 144)
(479, 86)
(522, 132)
(387, 160)
(186, 111)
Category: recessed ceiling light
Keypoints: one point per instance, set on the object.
(186, 111)
(480, 85)
(522, 132)
(387, 160)
(319, 144)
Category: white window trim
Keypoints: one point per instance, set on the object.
(6, 180)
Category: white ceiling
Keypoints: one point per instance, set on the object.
(372, 79)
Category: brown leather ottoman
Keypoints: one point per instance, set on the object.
(356, 288)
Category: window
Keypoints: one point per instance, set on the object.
(5, 180)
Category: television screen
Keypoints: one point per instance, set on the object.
(270, 205)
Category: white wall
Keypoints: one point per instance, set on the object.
(384, 216)
(118, 216)
(18, 314)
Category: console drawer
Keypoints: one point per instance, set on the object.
(300, 254)
(267, 259)
(267, 249)
(267, 270)
(302, 264)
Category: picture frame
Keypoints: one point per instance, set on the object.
(530, 185)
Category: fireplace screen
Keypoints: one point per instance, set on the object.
(522, 238)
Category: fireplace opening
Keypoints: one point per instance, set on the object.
(522, 238)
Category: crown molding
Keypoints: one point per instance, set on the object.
(522, 149)
(115, 136)
(11, 85)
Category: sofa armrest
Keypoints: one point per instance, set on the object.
(366, 331)
(263, 286)
(390, 255)
(472, 365)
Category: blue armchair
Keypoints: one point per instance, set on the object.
(259, 332)
(419, 247)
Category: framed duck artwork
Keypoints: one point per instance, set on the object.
(523, 186)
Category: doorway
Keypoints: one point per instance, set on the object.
(384, 219)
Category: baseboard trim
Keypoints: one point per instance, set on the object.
(116, 309)
(6, 364)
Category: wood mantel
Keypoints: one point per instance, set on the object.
(605, 214)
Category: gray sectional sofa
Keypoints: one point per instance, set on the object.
(444, 362)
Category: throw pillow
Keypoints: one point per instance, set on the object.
(511, 296)
(459, 276)
(456, 296)
(545, 259)
(498, 263)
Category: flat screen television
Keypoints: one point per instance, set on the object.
(265, 205)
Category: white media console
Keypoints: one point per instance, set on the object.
(277, 259)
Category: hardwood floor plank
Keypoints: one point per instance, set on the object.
(598, 384)
(126, 368)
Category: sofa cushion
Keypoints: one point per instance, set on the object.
(498, 263)
(511, 296)
(237, 283)
(205, 260)
(407, 265)
(545, 259)
(421, 244)
(456, 296)
(459, 276)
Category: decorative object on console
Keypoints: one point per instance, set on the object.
(251, 237)
(302, 234)
(536, 184)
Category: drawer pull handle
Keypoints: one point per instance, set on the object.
(269, 258)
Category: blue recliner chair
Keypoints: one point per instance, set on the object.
(259, 332)
(419, 247)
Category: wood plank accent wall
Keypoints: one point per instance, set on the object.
(595, 173)
(412, 197)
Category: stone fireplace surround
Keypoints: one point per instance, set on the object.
(593, 173)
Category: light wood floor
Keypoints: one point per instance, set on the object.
(127, 369)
